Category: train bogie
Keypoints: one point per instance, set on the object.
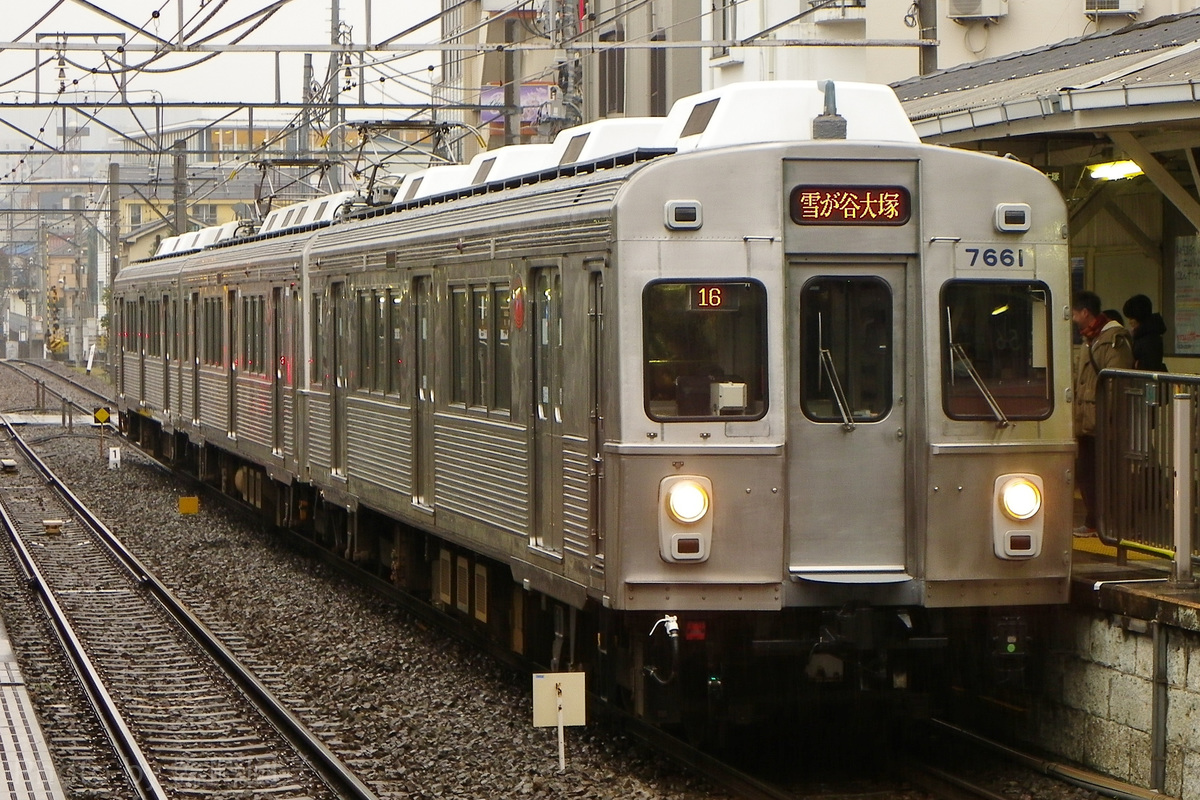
(733, 401)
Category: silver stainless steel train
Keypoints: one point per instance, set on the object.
(717, 406)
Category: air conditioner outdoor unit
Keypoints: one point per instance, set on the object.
(979, 9)
(1099, 8)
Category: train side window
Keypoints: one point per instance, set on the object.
(995, 350)
(704, 347)
(846, 349)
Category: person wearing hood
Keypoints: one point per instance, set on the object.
(1106, 344)
(1147, 328)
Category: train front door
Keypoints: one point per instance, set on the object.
(847, 429)
(545, 307)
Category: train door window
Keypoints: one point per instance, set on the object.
(995, 350)
(153, 328)
(846, 349)
(244, 341)
(366, 339)
(214, 332)
(705, 349)
(379, 376)
(480, 345)
(460, 338)
(257, 363)
(187, 335)
(502, 372)
(171, 309)
(315, 348)
(396, 326)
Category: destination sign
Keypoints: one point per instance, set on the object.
(850, 205)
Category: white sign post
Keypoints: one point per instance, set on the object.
(559, 699)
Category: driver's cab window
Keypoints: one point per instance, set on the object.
(846, 349)
(996, 350)
(705, 350)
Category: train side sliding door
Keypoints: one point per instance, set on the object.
(338, 351)
(846, 450)
(423, 399)
(547, 470)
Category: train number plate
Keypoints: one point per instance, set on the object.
(991, 256)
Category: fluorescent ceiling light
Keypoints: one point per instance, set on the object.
(1114, 170)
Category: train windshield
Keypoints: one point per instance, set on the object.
(996, 350)
(705, 349)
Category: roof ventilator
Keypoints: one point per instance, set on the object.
(830, 124)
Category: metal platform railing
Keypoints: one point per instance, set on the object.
(1146, 435)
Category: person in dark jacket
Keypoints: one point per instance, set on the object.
(1147, 328)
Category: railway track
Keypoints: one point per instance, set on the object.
(182, 714)
(930, 781)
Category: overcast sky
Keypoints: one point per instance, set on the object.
(242, 77)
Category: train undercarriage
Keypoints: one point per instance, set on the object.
(707, 674)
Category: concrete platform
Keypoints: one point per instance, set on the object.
(26, 770)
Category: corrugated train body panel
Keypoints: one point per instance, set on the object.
(255, 409)
(379, 448)
(483, 472)
(214, 403)
(577, 493)
(319, 436)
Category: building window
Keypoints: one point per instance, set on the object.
(205, 214)
(612, 74)
(659, 104)
(135, 214)
(724, 22)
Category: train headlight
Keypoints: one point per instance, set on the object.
(1020, 499)
(685, 518)
(687, 501)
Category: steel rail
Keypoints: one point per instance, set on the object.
(332, 771)
(134, 762)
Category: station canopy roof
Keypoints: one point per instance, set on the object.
(1147, 72)
(1129, 93)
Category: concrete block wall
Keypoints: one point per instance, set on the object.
(1097, 704)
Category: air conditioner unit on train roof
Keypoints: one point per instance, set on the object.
(978, 9)
(1100, 8)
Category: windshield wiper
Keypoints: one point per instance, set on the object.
(836, 384)
(997, 412)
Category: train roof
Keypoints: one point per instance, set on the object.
(740, 113)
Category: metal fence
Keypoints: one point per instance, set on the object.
(1146, 434)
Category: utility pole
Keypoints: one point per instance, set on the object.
(336, 135)
(179, 216)
(114, 255)
(512, 83)
(76, 352)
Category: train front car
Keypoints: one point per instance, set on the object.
(843, 375)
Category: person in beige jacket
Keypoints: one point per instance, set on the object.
(1106, 344)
